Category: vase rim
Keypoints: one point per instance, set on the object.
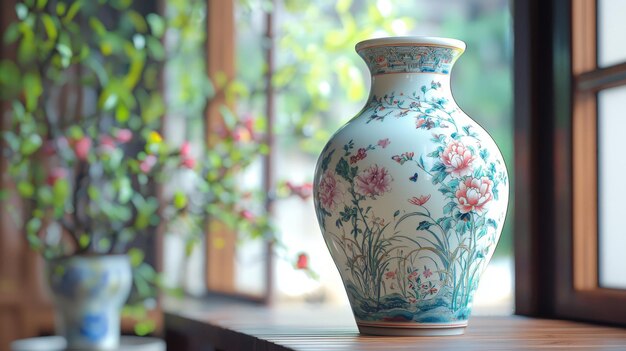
(411, 41)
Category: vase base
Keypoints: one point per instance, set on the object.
(404, 330)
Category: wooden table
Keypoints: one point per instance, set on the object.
(225, 325)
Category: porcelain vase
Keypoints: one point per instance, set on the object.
(411, 194)
(89, 292)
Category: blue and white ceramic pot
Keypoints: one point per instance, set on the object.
(89, 292)
(411, 194)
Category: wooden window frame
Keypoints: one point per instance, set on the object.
(220, 242)
(556, 84)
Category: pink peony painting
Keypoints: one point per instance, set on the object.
(458, 159)
(330, 191)
(373, 181)
(474, 194)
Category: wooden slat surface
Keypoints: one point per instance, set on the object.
(234, 326)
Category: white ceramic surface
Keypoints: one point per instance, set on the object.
(411, 194)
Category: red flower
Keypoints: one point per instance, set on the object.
(419, 201)
(458, 159)
(474, 194)
(361, 154)
(124, 135)
(303, 261)
(55, 174)
(82, 147)
(390, 275)
(384, 142)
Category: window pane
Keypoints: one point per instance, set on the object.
(611, 29)
(611, 192)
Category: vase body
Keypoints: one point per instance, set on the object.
(411, 194)
(89, 292)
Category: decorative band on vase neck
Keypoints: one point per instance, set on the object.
(410, 59)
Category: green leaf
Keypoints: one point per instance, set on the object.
(33, 226)
(50, 26)
(9, 79)
(21, 10)
(41, 4)
(30, 144)
(137, 21)
(122, 113)
(343, 169)
(157, 24)
(145, 327)
(84, 240)
(25, 189)
(61, 8)
(32, 90)
(60, 191)
(73, 10)
(12, 33)
(125, 191)
(180, 200)
(424, 225)
(93, 192)
(97, 26)
(136, 257)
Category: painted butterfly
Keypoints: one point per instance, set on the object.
(413, 178)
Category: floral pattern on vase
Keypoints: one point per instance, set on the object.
(89, 292)
(411, 196)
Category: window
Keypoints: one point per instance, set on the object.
(570, 86)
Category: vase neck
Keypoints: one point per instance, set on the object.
(411, 84)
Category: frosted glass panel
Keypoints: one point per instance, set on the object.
(611, 29)
(611, 190)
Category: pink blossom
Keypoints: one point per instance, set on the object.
(474, 194)
(329, 191)
(419, 201)
(373, 181)
(303, 191)
(188, 162)
(247, 215)
(124, 135)
(427, 273)
(185, 149)
(146, 165)
(107, 144)
(458, 159)
(55, 174)
(413, 275)
(82, 147)
(384, 142)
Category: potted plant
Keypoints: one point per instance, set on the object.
(86, 153)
